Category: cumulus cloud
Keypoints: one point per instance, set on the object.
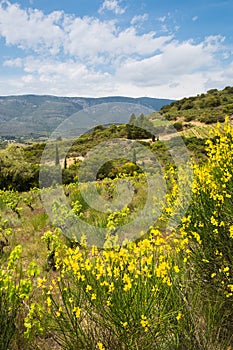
(175, 60)
(69, 55)
(86, 38)
(112, 5)
(60, 78)
(31, 29)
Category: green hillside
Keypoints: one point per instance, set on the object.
(206, 108)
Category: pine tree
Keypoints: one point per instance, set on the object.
(132, 119)
(57, 160)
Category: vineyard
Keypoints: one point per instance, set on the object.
(169, 287)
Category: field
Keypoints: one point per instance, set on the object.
(99, 277)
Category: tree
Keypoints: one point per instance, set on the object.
(57, 160)
(15, 171)
(132, 119)
(140, 120)
(65, 163)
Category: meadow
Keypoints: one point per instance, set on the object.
(168, 288)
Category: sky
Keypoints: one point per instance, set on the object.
(94, 48)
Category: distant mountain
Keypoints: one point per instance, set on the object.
(35, 115)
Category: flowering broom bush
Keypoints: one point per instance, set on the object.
(123, 298)
(209, 225)
(15, 289)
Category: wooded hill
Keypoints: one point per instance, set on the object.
(207, 108)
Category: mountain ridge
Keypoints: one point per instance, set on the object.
(39, 115)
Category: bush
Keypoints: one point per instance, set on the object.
(209, 225)
(178, 126)
(15, 289)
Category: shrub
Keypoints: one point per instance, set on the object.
(14, 290)
(209, 225)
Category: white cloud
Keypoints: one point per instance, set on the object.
(195, 18)
(162, 19)
(68, 55)
(17, 62)
(59, 78)
(139, 19)
(93, 39)
(112, 5)
(174, 60)
(85, 38)
(30, 29)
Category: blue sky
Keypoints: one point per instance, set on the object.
(168, 49)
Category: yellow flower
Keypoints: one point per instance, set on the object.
(144, 323)
(109, 301)
(111, 288)
(178, 317)
(88, 288)
(100, 346)
(93, 296)
(124, 324)
(41, 282)
(77, 311)
(231, 231)
(128, 282)
(58, 313)
(49, 301)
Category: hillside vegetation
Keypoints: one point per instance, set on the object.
(167, 288)
(206, 108)
(138, 257)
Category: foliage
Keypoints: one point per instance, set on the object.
(15, 288)
(209, 225)
(15, 171)
(172, 288)
(139, 128)
(122, 298)
(12, 200)
(207, 108)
